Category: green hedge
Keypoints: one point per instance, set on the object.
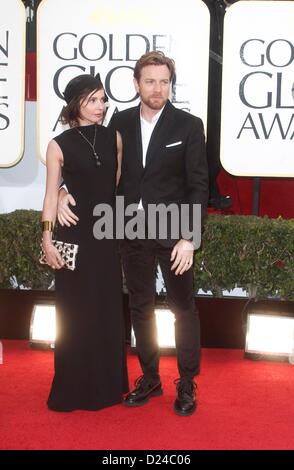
(256, 253)
(251, 252)
(19, 250)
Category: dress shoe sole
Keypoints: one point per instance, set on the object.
(156, 393)
(185, 413)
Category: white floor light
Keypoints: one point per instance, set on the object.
(43, 326)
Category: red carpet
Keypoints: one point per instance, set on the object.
(242, 405)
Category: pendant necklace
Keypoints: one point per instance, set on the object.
(92, 145)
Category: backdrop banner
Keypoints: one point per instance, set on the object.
(108, 36)
(12, 81)
(257, 128)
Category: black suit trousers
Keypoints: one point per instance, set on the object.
(140, 258)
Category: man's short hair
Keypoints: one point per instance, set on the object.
(154, 58)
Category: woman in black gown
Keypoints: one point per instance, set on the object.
(90, 363)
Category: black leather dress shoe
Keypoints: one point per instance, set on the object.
(220, 202)
(185, 403)
(145, 389)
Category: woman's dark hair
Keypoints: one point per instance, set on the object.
(75, 93)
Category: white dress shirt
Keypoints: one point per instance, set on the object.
(146, 131)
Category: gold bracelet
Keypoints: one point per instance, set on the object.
(47, 225)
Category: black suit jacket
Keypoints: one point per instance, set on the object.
(172, 173)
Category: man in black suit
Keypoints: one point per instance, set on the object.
(164, 161)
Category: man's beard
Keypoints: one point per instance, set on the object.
(154, 103)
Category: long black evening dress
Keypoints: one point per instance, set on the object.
(90, 363)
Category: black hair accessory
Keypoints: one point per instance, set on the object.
(82, 82)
